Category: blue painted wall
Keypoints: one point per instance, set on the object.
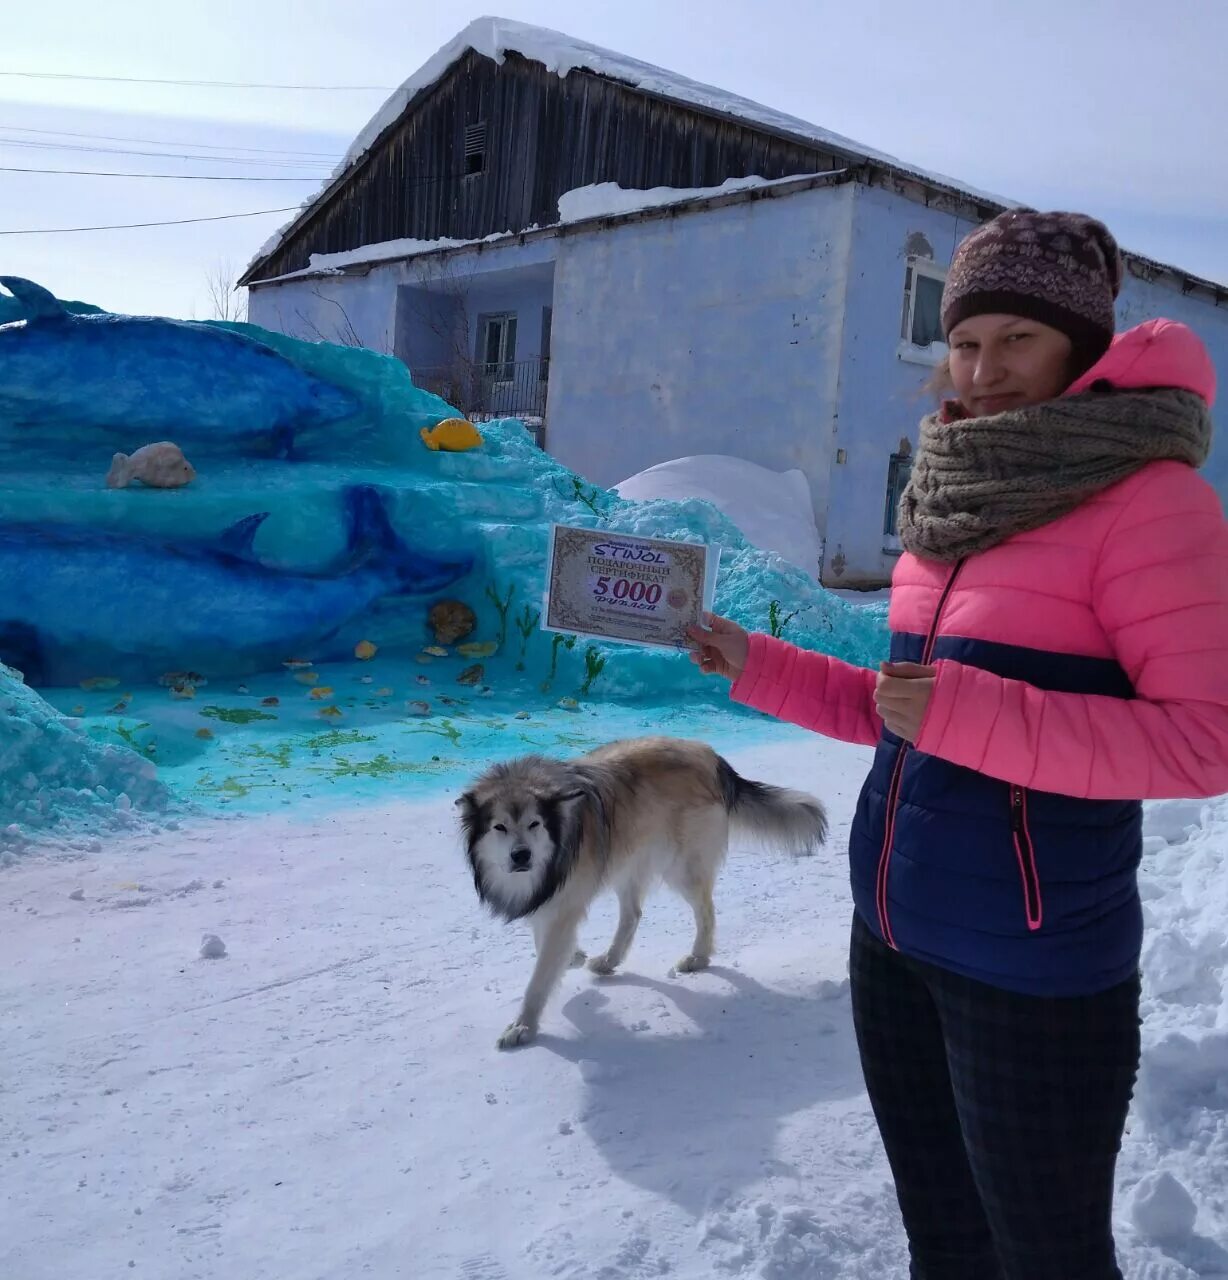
(767, 330)
(416, 309)
(348, 310)
(711, 332)
(882, 397)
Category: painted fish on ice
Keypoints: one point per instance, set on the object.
(75, 599)
(145, 375)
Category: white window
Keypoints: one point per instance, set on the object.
(921, 336)
(498, 349)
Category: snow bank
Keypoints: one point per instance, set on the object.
(53, 778)
(773, 509)
(1177, 1148)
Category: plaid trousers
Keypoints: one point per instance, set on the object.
(1001, 1114)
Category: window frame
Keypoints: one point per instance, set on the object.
(900, 460)
(502, 370)
(475, 149)
(908, 350)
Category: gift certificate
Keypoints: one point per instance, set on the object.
(619, 586)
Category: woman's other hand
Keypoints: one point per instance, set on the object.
(721, 647)
(902, 693)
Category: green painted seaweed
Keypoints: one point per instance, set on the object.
(778, 620)
(526, 624)
(444, 729)
(236, 715)
(557, 641)
(128, 733)
(282, 757)
(501, 607)
(594, 664)
(582, 496)
(337, 738)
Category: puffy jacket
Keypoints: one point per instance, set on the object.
(1081, 668)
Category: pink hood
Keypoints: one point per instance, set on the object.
(1158, 353)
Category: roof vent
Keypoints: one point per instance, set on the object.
(475, 148)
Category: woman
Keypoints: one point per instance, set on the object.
(1059, 653)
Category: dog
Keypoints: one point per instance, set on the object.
(544, 837)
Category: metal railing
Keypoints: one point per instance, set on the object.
(509, 389)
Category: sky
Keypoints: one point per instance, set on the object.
(1115, 107)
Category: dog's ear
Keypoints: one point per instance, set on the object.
(567, 797)
(470, 814)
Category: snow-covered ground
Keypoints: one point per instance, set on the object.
(326, 1101)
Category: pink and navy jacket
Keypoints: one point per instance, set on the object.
(1082, 667)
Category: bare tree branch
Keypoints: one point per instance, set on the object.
(225, 300)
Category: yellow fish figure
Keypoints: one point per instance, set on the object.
(454, 435)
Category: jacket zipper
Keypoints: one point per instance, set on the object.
(893, 791)
(1025, 854)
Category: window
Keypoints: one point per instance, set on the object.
(543, 371)
(497, 353)
(898, 471)
(921, 336)
(475, 149)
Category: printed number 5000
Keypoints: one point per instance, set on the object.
(625, 589)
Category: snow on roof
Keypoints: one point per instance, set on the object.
(597, 200)
(608, 199)
(494, 38)
(334, 264)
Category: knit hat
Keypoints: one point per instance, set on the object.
(1061, 269)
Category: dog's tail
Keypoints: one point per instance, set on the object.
(775, 815)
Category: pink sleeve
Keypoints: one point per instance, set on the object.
(1160, 592)
(820, 693)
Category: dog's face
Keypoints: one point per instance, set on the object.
(515, 850)
(520, 844)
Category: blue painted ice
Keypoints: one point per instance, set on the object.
(53, 776)
(261, 560)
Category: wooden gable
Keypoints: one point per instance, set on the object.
(490, 148)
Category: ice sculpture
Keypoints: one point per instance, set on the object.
(52, 775)
(337, 551)
(137, 376)
(76, 600)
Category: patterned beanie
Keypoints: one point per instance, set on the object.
(1061, 269)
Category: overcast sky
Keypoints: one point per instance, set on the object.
(1115, 107)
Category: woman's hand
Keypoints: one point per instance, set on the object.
(902, 693)
(720, 647)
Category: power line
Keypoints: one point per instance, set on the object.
(129, 226)
(203, 84)
(287, 163)
(164, 142)
(172, 177)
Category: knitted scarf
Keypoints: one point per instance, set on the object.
(978, 481)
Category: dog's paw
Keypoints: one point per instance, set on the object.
(692, 964)
(517, 1034)
(602, 966)
(578, 959)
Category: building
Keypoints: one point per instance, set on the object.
(644, 268)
